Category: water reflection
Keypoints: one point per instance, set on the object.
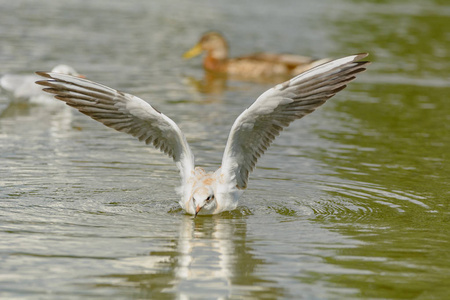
(206, 252)
(217, 84)
(211, 258)
(211, 83)
(226, 253)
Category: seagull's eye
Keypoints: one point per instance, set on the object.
(209, 198)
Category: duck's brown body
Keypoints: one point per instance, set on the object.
(258, 65)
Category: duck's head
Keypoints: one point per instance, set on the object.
(203, 199)
(213, 43)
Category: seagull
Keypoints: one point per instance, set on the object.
(252, 133)
(23, 87)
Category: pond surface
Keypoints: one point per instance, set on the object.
(351, 202)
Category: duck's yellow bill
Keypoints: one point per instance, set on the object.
(193, 52)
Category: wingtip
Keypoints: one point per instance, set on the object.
(361, 55)
(42, 82)
(43, 74)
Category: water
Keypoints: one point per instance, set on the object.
(351, 202)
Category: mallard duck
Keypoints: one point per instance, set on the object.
(263, 65)
(23, 87)
(250, 136)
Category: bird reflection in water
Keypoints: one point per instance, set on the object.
(212, 257)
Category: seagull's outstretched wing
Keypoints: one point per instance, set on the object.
(256, 128)
(123, 112)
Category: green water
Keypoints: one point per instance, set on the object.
(351, 202)
(400, 141)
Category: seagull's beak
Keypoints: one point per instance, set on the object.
(197, 210)
(194, 51)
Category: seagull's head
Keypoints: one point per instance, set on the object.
(203, 199)
(68, 70)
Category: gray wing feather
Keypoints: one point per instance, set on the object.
(123, 112)
(256, 128)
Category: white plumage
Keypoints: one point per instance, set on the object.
(24, 88)
(251, 134)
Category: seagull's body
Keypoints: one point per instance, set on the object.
(24, 87)
(251, 134)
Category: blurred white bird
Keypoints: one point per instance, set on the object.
(251, 134)
(23, 88)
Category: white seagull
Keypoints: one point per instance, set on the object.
(24, 88)
(250, 136)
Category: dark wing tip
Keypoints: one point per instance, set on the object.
(362, 63)
(43, 74)
(361, 55)
(51, 90)
(43, 82)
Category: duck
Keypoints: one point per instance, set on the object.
(252, 132)
(23, 88)
(258, 65)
